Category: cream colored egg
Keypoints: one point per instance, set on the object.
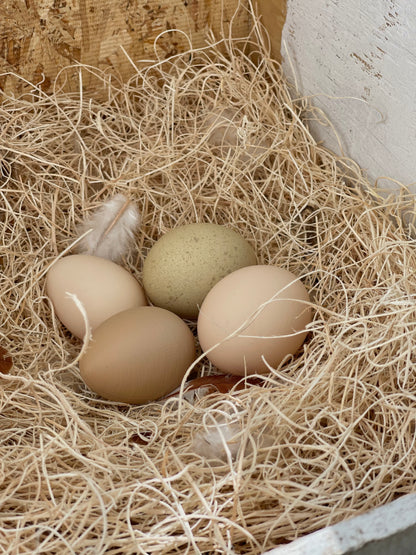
(185, 263)
(138, 355)
(255, 313)
(103, 287)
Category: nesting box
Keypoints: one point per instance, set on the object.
(301, 202)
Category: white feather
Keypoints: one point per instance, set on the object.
(223, 436)
(110, 230)
(220, 441)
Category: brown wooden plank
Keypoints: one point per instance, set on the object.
(273, 16)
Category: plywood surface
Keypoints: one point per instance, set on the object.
(38, 37)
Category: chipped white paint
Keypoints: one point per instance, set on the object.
(362, 54)
(389, 529)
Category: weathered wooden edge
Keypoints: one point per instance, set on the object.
(380, 526)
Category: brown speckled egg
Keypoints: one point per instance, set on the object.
(185, 263)
(138, 355)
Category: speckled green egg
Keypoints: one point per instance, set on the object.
(185, 263)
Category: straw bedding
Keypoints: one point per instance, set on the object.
(329, 434)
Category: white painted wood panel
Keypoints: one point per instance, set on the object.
(362, 54)
(386, 530)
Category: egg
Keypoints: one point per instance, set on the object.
(103, 287)
(138, 355)
(253, 313)
(185, 263)
(232, 133)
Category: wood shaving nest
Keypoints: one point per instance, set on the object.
(79, 474)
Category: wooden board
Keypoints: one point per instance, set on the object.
(386, 530)
(39, 37)
(358, 60)
(273, 17)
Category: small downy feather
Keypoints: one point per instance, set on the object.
(110, 230)
(220, 441)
